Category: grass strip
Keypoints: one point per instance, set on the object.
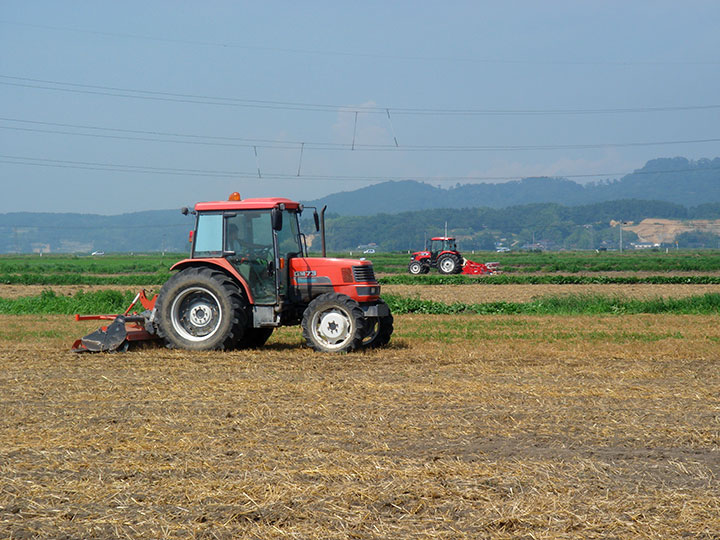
(116, 302)
(502, 279)
(564, 305)
(84, 279)
(88, 303)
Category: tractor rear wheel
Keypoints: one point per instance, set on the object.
(449, 264)
(201, 309)
(333, 322)
(415, 267)
(379, 330)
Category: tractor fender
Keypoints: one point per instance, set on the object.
(221, 264)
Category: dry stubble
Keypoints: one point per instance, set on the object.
(466, 427)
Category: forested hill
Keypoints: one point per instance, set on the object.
(552, 225)
(580, 226)
(677, 180)
(153, 230)
(559, 211)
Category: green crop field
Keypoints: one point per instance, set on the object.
(517, 268)
(574, 262)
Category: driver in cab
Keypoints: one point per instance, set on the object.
(253, 261)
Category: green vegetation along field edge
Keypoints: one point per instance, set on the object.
(103, 302)
(84, 279)
(433, 279)
(395, 262)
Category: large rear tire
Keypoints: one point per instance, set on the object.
(201, 309)
(333, 322)
(449, 264)
(379, 330)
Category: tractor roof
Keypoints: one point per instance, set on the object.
(247, 204)
(441, 238)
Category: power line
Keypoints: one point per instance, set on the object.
(295, 145)
(110, 91)
(116, 167)
(343, 54)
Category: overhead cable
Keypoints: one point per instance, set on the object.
(27, 82)
(382, 56)
(295, 145)
(118, 167)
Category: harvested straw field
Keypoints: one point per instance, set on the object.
(465, 427)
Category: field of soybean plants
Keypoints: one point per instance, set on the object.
(541, 407)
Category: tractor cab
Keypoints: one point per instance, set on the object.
(441, 244)
(257, 238)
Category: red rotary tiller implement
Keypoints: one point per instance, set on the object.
(124, 329)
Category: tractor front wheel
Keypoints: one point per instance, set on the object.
(333, 323)
(379, 330)
(415, 267)
(201, 309)
(449, 264)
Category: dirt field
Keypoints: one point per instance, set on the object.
(466, 427)
(524, 293)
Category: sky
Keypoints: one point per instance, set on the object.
(114, 107)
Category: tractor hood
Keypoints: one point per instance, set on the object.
(338, 270)
(353, 277)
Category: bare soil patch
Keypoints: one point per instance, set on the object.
(465, 427)
(478, 293)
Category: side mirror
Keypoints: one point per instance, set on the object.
(277, 219)
(317, 220)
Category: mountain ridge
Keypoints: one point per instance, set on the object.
(557, 209)
(677, 180)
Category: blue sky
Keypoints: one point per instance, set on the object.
(111, 107)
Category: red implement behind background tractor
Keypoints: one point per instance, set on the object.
(444, 255)
(248, 273)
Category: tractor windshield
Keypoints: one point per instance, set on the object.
(444, 244)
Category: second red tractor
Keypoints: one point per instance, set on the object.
(444, 255)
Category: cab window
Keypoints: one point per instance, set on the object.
(208, 238)
(289, 236)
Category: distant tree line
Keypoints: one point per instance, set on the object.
(568, 227)
(551, 225)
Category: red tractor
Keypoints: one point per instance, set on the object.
(444, 256)
(249, 273)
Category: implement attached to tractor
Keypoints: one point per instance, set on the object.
(123, 329)
(249, 273)
(444, 255)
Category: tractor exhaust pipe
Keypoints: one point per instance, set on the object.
(322, 230)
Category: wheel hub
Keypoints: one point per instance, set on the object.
(200, 315)
(333, 326)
